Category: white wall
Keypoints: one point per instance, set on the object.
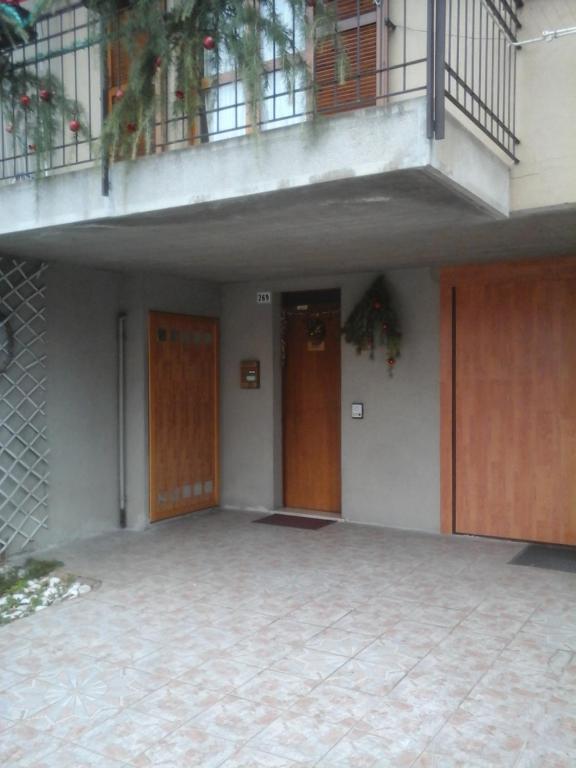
(546, 110)
(390, 461)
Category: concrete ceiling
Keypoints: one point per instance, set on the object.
(404, 218)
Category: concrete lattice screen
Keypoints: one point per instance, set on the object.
(23, 440)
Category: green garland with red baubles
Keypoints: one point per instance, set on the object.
(374, 322)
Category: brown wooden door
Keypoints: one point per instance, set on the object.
(514, 404)
(183, 402)
(311, 405)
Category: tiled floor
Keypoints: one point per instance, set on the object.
(214, 642)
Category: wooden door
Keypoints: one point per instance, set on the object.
(183, 405)
(311, 401)
(510, 333)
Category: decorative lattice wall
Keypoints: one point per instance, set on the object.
(23, 441)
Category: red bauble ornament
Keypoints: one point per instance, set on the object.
(131, 127)
(74, 125)
(25, 100)
(209, 43)
(179, 95)
(119, 95)
(45, 95)
(391, 362)
(376, 305)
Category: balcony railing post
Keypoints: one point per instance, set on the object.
(430, 57)
(440, 70)
(104, 106)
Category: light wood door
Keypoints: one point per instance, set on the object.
(311, 405)
(514, 404)
(183, 404)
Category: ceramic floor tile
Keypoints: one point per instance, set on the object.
(377, 679)
(322, 612)
(222, 675)
(414, 638)
(25, 747)
(345, 706)
(8, 678)
(76, 703)
(310, 664)
(248, 757)
(429, 760)
(177, 702)
(275, 689)
(125, 736)
(25, 699)
(187, 747)
(236, 719)
(290, 631)
(474, 738)
(170, 662)
(71, 756)
(339, 642)
(546, 758)
(370, 643)
(299, 738)
(363, 750)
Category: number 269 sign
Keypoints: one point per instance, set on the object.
(264, 297)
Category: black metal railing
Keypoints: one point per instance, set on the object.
(480, 65)
(67, 47)
(457, 52)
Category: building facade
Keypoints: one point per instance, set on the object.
(446, 161)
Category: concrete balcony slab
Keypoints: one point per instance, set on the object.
(335, 194)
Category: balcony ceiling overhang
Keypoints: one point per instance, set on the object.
(366, 190)
(405, 218)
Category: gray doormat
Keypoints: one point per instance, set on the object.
(545, 556)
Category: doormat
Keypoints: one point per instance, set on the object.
(545, 556)
(294, 521)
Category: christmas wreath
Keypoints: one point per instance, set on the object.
(375, 321)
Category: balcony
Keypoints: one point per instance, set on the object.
(424, 123)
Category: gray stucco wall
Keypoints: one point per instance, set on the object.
(390, 460)
(81, 308)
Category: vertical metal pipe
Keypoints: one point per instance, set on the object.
(121, 330)
(430, 71)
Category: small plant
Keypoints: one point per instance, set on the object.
(31, 587)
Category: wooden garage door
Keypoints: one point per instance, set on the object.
(511, 331)
(183, 405)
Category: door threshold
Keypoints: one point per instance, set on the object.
(297, 512)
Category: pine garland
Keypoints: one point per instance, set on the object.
(34, 106)
(374, 321)
(194, 38)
